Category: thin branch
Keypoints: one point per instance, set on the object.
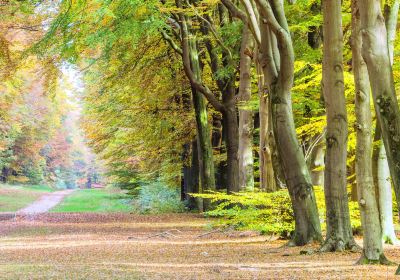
(171, 42)
(212, 29)
(187, 66)
(255, 28)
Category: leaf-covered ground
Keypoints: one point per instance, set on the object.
(179, 246)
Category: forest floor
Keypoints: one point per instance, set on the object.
(175, 246)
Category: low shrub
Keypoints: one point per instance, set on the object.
(157, 198)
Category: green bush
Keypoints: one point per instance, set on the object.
(157, 198)
(268, 213)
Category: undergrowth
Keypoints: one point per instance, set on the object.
(157, 198)
(268, 213)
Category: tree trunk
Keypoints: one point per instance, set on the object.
(246, 125)
(339, 233)
(383, 175)
(185, 179)
(231, 128)
(194, 184)
(376, 55)
(372, 244)
(385, 198)
(207, 175)
(277, 62)
(267, 174)
(317, 165)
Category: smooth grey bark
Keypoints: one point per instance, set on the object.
(277, 62)
(372, 244)
(317, 165)
(376, 55)
(339, 233)
(391, 16)
(246, 124)
(267, 173)
(383, 180)
(385, 199)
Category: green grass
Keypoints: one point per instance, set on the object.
(15, 197)
(95, 200)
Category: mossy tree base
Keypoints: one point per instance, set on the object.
(381, 261)
(338, 245)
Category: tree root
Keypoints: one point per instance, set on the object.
(382, 261)
(338, 245)
(298, 240)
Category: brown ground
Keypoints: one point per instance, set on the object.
(122, 246)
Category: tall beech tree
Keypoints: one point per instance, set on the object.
(205, 152)
(375, 52)
(372, 244)
(277, 63)
(246, 124)
(339, 233)
(382, 173)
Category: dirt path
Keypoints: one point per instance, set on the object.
(44, 203)
(123, 246)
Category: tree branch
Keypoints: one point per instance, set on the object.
(187, 66)
(171, 42)
(254, 25)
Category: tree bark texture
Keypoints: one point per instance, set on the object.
(277, 62)
(246, 124)
(385, 198)
(267, 173)
(206, 160)
(231, 127)
(383, 180)
(376, 55)
(339, 233)
(372, 243)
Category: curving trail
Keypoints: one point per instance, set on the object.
(45, 203)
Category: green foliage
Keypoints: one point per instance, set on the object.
(268, 213)
(157, 198)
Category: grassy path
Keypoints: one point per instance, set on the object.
(123, 246)
(15, 197)
(107, 200)
(45, 203)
